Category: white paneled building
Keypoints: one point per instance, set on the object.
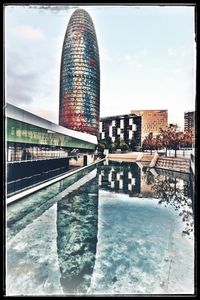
(121, 127)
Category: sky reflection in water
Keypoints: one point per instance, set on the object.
(113, 231)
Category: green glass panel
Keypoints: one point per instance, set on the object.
(21, 132)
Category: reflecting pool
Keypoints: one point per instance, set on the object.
(115, 228)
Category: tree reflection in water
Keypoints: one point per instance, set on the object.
(148, 176)
(173, 191)
(77, 220)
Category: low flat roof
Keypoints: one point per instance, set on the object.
(120, 116)
(22, 115)
(149, 110)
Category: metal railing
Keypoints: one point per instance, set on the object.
(192, 163)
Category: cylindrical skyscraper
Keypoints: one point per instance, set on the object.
(80, 76)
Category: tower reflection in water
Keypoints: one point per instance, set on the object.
(77, 222)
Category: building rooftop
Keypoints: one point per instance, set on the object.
(119, 116)
(189, 111)
(148, 110)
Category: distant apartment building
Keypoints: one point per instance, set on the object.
(152, 121)
(121, 127)
(189, 120)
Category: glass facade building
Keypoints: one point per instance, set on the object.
(40, 138)
(37, 149)
(121, 127)
(80, 76)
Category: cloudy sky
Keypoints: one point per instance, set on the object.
(147, 58)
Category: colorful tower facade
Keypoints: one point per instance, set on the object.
(80, 76)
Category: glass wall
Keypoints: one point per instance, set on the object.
(23, 151)
(80, 76)
(21, 132)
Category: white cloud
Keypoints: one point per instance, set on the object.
(53, 8)
(50, 114)
(127, 57)
(171, 51)
(144, 52)
(28, 32)
(178, 70)
(132, 61)
(104, 55)
(184, 52)
(20, 83)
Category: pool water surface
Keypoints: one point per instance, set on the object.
(116, 229)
